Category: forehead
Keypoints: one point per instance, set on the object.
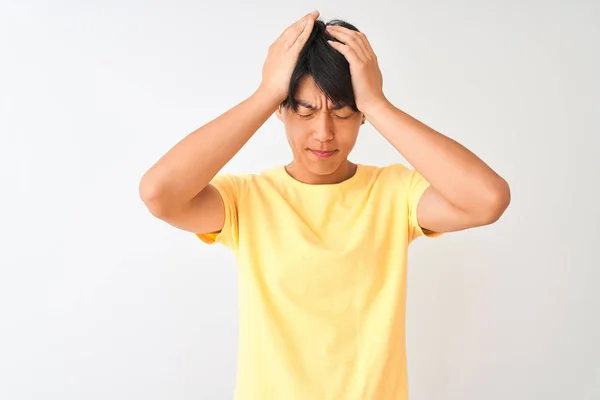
(308, 93)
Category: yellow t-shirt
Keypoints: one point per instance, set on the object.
(322, 282)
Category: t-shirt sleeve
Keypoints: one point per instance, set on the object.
(229, 187)
(414, 185)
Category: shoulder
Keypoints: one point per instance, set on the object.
(397, 170)
(397, 173)
(243, 182)
(396, 180)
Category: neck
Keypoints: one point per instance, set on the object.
(345, 171)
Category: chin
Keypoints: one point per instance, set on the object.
(324, 167)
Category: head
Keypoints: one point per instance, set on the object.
(320, 115)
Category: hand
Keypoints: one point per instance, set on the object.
(283, 55)
(367, 81)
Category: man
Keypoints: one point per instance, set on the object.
(321, 243)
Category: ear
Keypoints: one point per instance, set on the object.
(279, 113)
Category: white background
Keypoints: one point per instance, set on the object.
(99, 300)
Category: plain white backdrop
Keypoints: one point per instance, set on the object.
(99, 300)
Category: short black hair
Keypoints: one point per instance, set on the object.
(327, 66)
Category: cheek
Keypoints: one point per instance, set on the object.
(347, 135)
(297, 137)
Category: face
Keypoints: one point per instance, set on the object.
(320, 134)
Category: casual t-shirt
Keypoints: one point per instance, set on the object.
(322, 282)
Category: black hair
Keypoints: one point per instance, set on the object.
(328, 67)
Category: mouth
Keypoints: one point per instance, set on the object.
(323, 153)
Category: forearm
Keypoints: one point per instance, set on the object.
(461, 177)
(189, 166)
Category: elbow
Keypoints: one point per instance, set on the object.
(152, 197)
(493, 204)
(496, 203)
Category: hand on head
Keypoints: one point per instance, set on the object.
(283, 55)
(367, 80)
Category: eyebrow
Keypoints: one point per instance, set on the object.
(306, 104)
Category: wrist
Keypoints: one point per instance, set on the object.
(375, 107)
(269, 95)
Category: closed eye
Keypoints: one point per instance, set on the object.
(306, 116)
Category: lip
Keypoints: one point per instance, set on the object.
(323, 154)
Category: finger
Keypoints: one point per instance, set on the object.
(302, 21)
(346, 50)
(367, 44)
(297, 27)
(349, 39)
(303, 37)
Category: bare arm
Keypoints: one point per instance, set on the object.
(465, 192)
(179, 182)
(176, 189)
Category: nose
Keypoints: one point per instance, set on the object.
(323, 130)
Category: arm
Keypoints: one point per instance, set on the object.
(176, 189)
(464, 191)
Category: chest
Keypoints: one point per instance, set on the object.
(322, 247)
